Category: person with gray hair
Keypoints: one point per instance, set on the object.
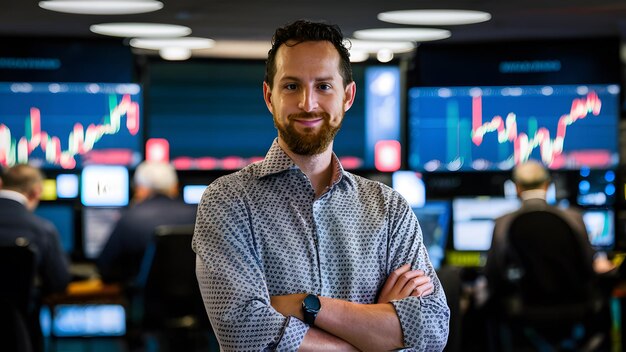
(532, 177)
(532, 180)
(155, 203)
(559, 250)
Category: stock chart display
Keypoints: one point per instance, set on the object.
(495, 128)
(68, 125)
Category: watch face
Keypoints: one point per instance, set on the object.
(312, 303)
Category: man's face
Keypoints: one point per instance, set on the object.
(308, 98)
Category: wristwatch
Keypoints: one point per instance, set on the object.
(310, 307)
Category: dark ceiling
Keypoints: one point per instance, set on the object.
(257, 19)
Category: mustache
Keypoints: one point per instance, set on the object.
(309, 115)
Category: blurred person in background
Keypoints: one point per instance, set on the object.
(155, 203)
(21, 190)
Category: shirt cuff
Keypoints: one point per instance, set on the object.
(422, 331)
(291, 335)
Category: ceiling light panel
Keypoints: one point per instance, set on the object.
(143, 30)
(102, 7)
(403, 34)
(160, 43)
(434, 17)
(373, 46)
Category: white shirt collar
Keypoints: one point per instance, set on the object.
(16, 196)
(533, 194)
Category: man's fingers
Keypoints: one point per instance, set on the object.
(405, 278)
(394, 276)
(413, 284)
(423, 290)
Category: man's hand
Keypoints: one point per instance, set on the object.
(404, 282)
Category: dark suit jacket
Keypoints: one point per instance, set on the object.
(496, 255)
(121, 257)
(52, 262)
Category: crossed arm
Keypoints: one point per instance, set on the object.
(346, 326)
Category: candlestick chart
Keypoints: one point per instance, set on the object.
(68, 125)
(495, 128)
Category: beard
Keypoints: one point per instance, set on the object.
(309, 142)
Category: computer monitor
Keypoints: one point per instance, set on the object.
(473, 220)
(62, 216)
(411, 186)
(83, 320)
(600, 228)
(98, 224)
(434, 220)
(105, 186)
(596, 188)
(67, 185)
(193, 193)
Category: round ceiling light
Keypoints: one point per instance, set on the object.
(143, 30)
(372, 46)
(160, 43)
(102, 7)
(175, 53)
(409, 34)
(384, 55)
(434, 17)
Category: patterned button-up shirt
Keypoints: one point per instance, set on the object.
(262, 232)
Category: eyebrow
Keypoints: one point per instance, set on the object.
(319, 79)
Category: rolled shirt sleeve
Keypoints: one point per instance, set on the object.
(424, 320)
(232, 281)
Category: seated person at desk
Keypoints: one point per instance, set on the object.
(548, 284)
(532, 180)
(156, 204)
(22, 186)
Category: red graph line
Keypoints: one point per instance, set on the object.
(79, 140)
(523, 145)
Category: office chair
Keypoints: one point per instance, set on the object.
(170, 298)
(17, 272)
(548, 295)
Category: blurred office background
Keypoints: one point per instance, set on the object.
(442, 119)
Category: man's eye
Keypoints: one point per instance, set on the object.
(290, 86)
(325, 86)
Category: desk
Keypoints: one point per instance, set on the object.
(86, 290)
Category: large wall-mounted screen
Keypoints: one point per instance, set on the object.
(479, 128)
(69, 125)
(212, 116)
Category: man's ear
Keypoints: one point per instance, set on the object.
(33, 196)
(349, 95)
(267, 96)
(35, 193)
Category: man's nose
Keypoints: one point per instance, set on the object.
(308, 100)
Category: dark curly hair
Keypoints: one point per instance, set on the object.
(304, 31)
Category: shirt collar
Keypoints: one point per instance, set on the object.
(276, 161)
(13, 195)
(533, 194)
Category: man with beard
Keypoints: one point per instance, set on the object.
(295, 253)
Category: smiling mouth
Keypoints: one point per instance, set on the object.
(309, 123)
